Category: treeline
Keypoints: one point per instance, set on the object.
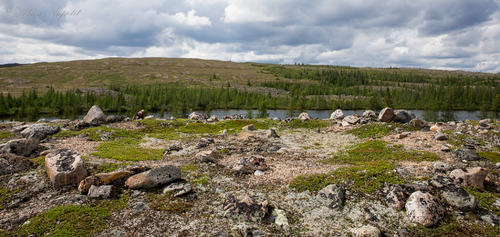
(407, 90)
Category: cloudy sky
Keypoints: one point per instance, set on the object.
(445, 34)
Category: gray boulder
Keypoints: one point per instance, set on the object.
(423, 208)
(304, 116)
(197, 116)
(39, 131)
(65, 167)
(337, 115)
(386, 115)
(370, 114)
(103, 192)
(459, 198)
(417, 123)
(468, 155)
(154, 177)
(94, 116)
(402, 116)
(20, 147)
(396, 197)
(352, 119)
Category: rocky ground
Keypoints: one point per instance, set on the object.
(376, 174)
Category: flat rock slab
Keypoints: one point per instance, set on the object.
(154, 177)
(103, 191)
(65, 167)
(101, 179)
(39, 131)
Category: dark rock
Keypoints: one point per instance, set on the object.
(114, 119)
(417, 123)
(201, 145)
(251, 163)
(172, 148)
(65, 167)
(10, 163)
(423, 208)
(491, 219)
(250, 208)
(20, 147)
(468, 155)
(103, 192)
(154, 177)
(440, 137)
(249, 127)
(271, 133)
(332, 196)
(440, 181)
(396, 197)
(94, 116)
(386, 115)
(402, 116)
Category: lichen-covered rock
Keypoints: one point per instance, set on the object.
(94, 116)
(103, 191)
(279, 218)
(39, 131)
(304, 116)
(466, 154)
(385, 115)
(337, 115)
(423, 208)
(250, 208)
(20, 147)
(10, 163)
(65, 167)
(154, 177)
(471, 177)
(396, 197)
(366, 231)
(251, 163)
(332, 196)
(459, 198)
(197, 116)
(179, 189)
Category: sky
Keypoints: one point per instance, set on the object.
(436, 34)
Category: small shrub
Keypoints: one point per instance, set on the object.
(115, 204)
(40, 161)
(6, 134)
(491, 155)
(485, 198)
(168, 203)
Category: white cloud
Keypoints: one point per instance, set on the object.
(191, 19)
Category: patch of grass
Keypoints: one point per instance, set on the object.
(189, 168)
(374, 130)
(6, 134)
(491, 155)
(110, 167)
(5, 196)
(199, 128)
(40, 161)
(192, 174)
(70, 220)
(459, 140)
(373, 150)
(126, 149)
(309, 124)
(168, 203)
(101, 133)
(485, 198)
(453, 227)
(366, 177)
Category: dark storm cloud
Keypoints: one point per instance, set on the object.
(454, 34)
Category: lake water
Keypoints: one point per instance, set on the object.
(283, 114)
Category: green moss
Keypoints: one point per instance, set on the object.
(6, 134)
(70, 220)
(98, 133)
(365, 177)
(459, 140)
(189, 168)
(168, 203)
(126, 149)
(115, 204)
(5, 196)
(199, 128)
(378, 150)
(40, 161)
(485, 198)
(453, 227)
(110, 167)
(491, 155)
(374, 130)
